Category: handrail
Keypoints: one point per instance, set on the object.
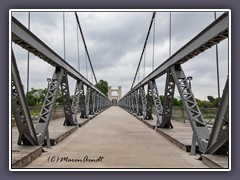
(211, 35)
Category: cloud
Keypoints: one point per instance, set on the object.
(115, 41)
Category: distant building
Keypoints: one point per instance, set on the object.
(114, 95)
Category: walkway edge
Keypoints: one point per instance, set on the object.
(215, 161)
(23, 159)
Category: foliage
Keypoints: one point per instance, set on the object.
(175, 101)
(215, 101)
(36, 97)
(102, 86)
(162, 99)
(212, 103)
(204, 104)
(210, 98)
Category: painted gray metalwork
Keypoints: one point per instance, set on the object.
(99, 103)
(149, 104)
(139, 103)
(87, 101)
(211, 35)
(135, 96)
(218, 142)
(48, 105)
(130, 102)
(27, 40)
(91, 103)
(96, 103)
(168, 98)
(66, 102)
(199, 127)
(27, 134)
(157, 102)
(76, 99)
(82, 102)
(144, 101)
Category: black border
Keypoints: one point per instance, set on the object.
(90, 4)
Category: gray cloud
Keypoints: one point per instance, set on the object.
(115, 41)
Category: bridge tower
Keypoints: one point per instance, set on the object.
(114, 98)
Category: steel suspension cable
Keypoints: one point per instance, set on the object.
(218, 83)
(86, 65)
(144, 61)
(144, 46)
(64, 43)
(91, 77)
(78, 50)
(28, 57)
(153, 44)
(85, 46)
(170, 33)
(138, 76)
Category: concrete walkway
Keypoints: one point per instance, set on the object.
(115, 139)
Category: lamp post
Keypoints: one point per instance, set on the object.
(189, 78)
(49, 81)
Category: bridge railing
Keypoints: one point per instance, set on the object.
(179, 114)
(137, 102)
(92, 101)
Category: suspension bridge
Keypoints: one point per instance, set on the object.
(137, 133)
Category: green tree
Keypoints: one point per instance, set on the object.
(214, 101)
(102, 86)
(175, 101)
(162, 99)
(36, 97)
(211, 103)
(204, 104)
(31, 97)
(210, 98)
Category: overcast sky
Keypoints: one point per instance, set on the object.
(115, 41)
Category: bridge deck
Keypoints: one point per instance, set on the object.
(116, 140)
(180, 135)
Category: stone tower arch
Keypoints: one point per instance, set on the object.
(114, 98)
